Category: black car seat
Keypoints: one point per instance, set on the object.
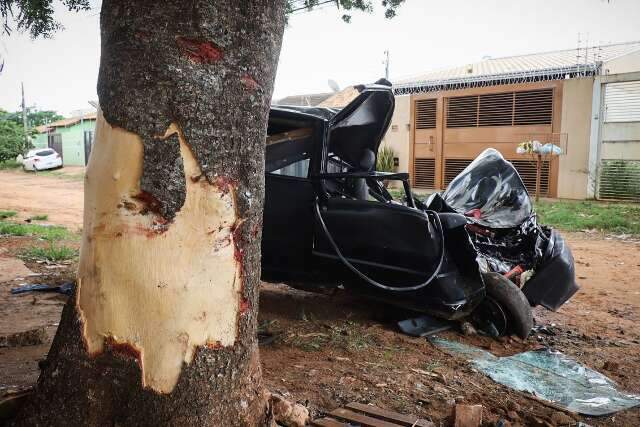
(367, 164)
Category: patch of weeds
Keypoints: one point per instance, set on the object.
(9, 164)
(7, 214)
(588, 215)
(348, 336)
(39, 217)
(63, 175)
(430, 366)
(52, 253)
(44, 232)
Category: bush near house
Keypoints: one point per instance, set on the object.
(385, 160)
(12, 140)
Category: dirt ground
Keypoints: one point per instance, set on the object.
(331, 349)
(30, 193)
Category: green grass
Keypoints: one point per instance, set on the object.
(7, 214)
(53, 253)
(39, 217)
(619, 218)
(10, 164)
(62, 175)
(41, 231)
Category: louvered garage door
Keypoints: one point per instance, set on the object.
(619, 180)
(526, 169)
(532, 107)
(426, 114)
(424, 171)
(619, 169)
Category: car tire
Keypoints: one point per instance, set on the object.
(514, 303)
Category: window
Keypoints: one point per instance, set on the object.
(45, 153)
(299, 169)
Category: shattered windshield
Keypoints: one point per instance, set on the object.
(490, 192)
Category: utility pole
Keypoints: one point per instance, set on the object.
(386, 64)
(24, 119)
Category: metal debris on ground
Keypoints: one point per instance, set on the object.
(549, 376)
(368, 415)
(424, 325)
(65, 288)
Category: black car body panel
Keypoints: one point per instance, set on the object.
(554, 282)
(491, 194)
(329, 221)
(322, 170)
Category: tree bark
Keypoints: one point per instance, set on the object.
(161, 330)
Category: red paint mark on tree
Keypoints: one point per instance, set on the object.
(244, 305)
(199, 51)
(224, 183)
(214, 345)
(249, 83)
(238, 252)
(123, 349)
(256, 228)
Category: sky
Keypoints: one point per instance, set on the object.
(61, 73)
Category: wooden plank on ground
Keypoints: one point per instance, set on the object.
(327, 422)
(468, 415)
(383, 414)
(363, 420)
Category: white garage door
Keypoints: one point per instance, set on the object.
(619, 170)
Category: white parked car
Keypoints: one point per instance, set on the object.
(41, 159)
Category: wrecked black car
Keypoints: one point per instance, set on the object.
(475, 250)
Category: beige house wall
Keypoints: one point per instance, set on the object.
(398, 135)
(576, 124)
(624, 64)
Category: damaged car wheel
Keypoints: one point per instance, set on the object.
(505, 310)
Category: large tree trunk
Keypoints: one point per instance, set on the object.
(162, 328)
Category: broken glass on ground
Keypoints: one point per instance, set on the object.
(550, 375)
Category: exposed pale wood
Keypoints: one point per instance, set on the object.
(153, 290)
(289, 136)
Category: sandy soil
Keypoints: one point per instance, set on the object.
(329, 350)
(59, 196)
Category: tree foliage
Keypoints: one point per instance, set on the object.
(348, 6)
(34, 118)
(37, 16)
(12, 141)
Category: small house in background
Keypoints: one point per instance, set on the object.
(72, 138)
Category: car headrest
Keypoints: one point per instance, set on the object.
(368, 160)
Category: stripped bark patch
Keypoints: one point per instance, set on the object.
(198, 301)
(244, 305)
(199, 51)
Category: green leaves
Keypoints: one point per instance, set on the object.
(12, 140)
(390, 6)
(35, 16)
